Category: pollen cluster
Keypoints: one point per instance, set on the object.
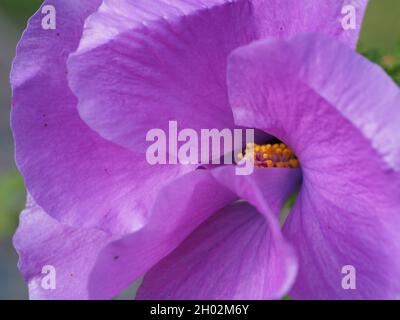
(277, 155)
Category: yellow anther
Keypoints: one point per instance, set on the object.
(286, 153)
(294, 163)
(277, 155)
(270, 163)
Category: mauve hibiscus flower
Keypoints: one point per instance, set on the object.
(86, 94)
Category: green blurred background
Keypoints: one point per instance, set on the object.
(380, 42)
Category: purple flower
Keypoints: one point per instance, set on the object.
(103, 217)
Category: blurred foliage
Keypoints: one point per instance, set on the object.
(12, 200)
(20, 10)
(381, 25)
(390, 62)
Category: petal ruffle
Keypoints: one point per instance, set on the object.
(219, 260)
(336, 110)
(266, 190)
(180, 208)
(73, 174)
(230, 256)
(42, 242)
(143, 63)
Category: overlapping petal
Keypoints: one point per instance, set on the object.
(180, 208)
(74, 174)
(239, 253)
(143, 63)
(336, 120)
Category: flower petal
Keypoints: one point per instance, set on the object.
(271, 267)
(143, 63)
(311, 91)
(336, 110)
(230, 256)
(42, 242)
(181, 206)
(73, 174)
(263, 188)
(286, 17)
(331, 235)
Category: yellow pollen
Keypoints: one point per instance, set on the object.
(278, 155)
(294, 163)
(269, 163)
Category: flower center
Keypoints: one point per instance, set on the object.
(277, 155)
